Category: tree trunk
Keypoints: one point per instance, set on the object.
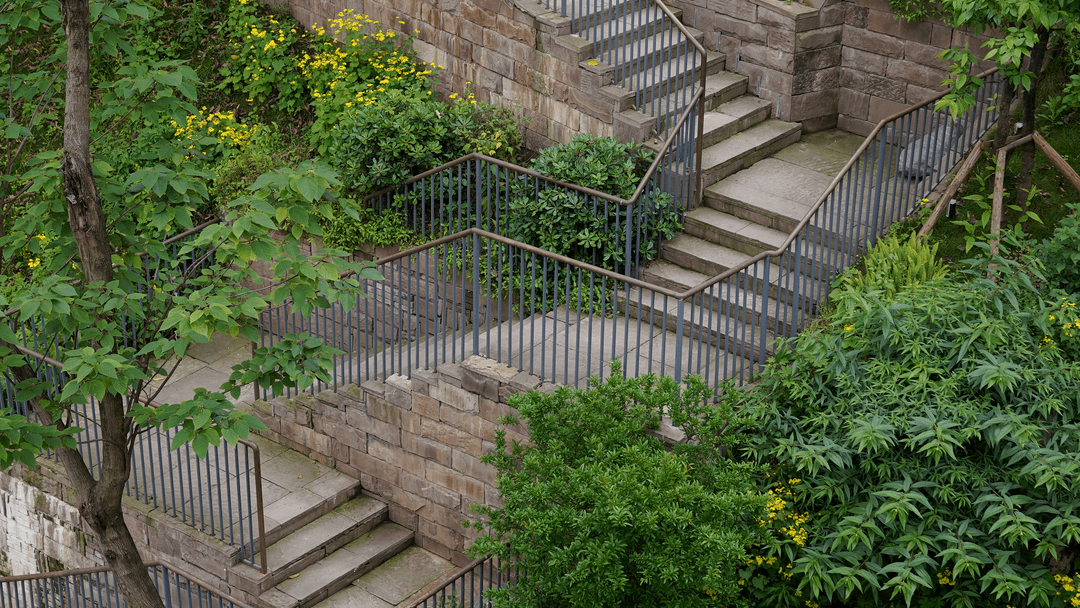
(99, 500)
(1004, 121)
(1027, 160)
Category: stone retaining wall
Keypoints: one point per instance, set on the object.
(39, 532)
(413, 443)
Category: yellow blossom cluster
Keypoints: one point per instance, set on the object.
(945, 578)
(222, 126)
(359, 54)
(1071, 586)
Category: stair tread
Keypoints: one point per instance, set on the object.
(715, 83)
(741, 106)
(624, 23)
(755, 138)
(345, 565)
(737, 226)
(712, 253)
(322, 532)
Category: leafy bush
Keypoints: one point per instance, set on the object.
(387, 142)
(935, 437)
(379, 230)
(1061, 254)
(600, 513)
(581, 227)
(267, 149)
(264, 62)
(895, 265)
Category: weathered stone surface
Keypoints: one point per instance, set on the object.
(915, 73)
(863, 61)
(819, 80)
(817, 59)
(873, 85)
(854, 104)
(885, 22)
(873, 42)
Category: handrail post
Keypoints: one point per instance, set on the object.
(476, 265)
(680, 326)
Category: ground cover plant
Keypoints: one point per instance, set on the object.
(927, 430)
(598, 511)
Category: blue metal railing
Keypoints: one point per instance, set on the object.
(220, 495)
(478, 292)
(97, 588)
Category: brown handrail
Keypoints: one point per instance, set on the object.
(696, 101)
(102, 569)
(259, 502)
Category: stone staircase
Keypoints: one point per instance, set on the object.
(323, 535)
(739, 131)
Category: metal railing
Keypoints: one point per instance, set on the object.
(478, 292)
(654, 55)
(650, 52)
(97, 588)
(220, 495)
(466, 587)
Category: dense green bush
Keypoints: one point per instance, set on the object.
(384, 143)
(1061, 254)
(267, 149)
(575, 225)
(932, 439)
(600, 514)
(368, 228)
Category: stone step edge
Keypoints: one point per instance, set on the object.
(254, 582)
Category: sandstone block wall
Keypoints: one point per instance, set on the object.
(791, 52)
(413, 443)
(38, 531)
(504, 54)
(889, 65)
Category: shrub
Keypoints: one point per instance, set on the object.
(379, 230)
(385, 143)
(599, 513)
(357, 64)
(1061, 254)
(936, 442)
(266, 149)
(263, 63)
(581, 227)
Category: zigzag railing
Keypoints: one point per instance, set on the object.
(220, 495)
(478, 292)
(97, 588)
(869, 193)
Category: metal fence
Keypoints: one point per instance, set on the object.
(727, 323)
(648, 49)
(97, 588)
(220, 495)
(467, 586)
(479, 292)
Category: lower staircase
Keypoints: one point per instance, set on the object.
(329, 545)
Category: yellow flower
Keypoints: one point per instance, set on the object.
(34, 263)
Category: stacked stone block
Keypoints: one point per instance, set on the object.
(414, 443)
(889, 65)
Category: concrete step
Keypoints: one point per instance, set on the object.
(311, 543)
(339, 569)
(723, 87)
(787, 277)
(729, 118)
(399, 581)
(746, 148)
(298, 490)
(781, 316)
(741, 235)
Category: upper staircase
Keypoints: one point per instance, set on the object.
(647, 72)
